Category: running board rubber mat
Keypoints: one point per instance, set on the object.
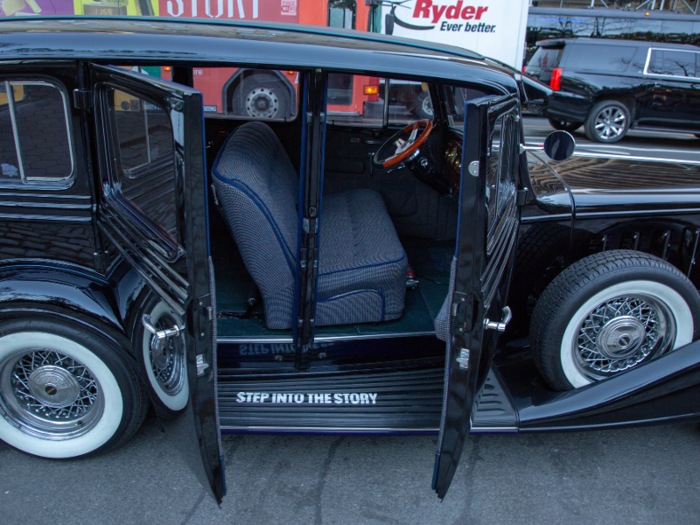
(351, 402)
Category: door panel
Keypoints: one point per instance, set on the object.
(153, 210)
(488, 227)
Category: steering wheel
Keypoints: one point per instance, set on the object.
(404, 143)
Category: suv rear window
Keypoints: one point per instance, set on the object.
(600, 58)
(543, 62)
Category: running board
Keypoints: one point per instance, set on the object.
(365, 402)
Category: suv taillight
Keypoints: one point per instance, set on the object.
(555, 81)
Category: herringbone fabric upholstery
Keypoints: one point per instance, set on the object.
(362, 270)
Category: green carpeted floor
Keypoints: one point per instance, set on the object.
(430, 260)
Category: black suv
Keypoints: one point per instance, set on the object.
(610, 86)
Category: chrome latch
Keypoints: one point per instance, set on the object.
(160, 334)
(202, 364)
(463, 359)
(500, 327)
(474, 168)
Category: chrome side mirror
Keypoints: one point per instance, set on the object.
(559, 145)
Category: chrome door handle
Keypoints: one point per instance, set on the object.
(160, 334)
(500, 327)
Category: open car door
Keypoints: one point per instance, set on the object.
(488, 229)
(153, 210)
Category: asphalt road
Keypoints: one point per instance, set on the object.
(626, 476)
(680, 146)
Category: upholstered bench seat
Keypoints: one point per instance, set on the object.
(362, 265)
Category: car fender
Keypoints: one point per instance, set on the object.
(72, 292)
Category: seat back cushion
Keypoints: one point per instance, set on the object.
(442, 321)
(257, 188)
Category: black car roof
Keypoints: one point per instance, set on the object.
(172, 41)
(614, 42)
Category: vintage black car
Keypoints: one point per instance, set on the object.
(324, 272)
(612, 86)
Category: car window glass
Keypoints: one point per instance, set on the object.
(600, 58)
(611, 27)
(640, 28)
(582, 25)
(455, 98)
(676, 30)
(34, 135)
(409, 101)
(546, 58)
(144, 153)
(243, 93)
(355, 100)
(492, 169)
(676, 63)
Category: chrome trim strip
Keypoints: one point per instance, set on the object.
(252, 340)
(486, 430)
(15, 132)
(479, 430)
(331, 429)
(630, 157)
(326, 338)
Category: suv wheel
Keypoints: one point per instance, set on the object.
(565, 125)
(608, 121)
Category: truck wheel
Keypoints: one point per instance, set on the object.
(565, 125)
(608, 313)
(608, 121)
(64, 392)
(261, 96)
(423, 106)
(164, 360)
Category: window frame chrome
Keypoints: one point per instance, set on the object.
(646, 71)
(46, 183)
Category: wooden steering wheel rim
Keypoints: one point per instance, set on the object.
(413, 147)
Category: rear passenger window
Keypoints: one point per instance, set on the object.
(35, 144)
(600, 58)
(144, 174)
(675, 63)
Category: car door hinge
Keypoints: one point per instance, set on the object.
(101, 261)
(82, 99)
(522, 196)
(463, 359)
(202, 364)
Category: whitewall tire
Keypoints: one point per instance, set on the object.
(609, 313)
(63, 392)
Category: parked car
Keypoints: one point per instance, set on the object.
(328, 273)
(612, 86)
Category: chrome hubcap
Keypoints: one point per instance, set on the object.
(48, 394)
(622, 333)
(427, 106)
(610, 123)
(262, 103)
(167, 358)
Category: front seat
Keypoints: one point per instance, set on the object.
(362, 265)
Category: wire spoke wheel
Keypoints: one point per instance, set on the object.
(167, 358)
(621, 333)
(49, 394)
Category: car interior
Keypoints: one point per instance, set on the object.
(386, 234)
(388, 210)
